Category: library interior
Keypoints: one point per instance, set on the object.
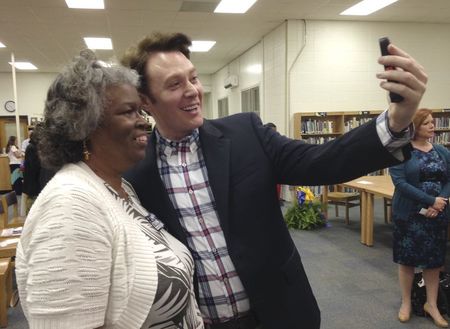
(295, 94)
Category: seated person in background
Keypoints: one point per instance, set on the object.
(90, 255)
(420, 237)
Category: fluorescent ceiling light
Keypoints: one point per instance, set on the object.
(2, 45)
(201, 46)
(98, 43)
(23, 65)
(85, 4)
(367, 7)
(234, 6)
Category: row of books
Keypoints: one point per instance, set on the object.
(442, 123)
(318, 139)
(441, 138)
(311, 126)
(355, 122)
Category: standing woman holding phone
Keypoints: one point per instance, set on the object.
(420, 216)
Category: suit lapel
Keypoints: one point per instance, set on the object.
(216, 151)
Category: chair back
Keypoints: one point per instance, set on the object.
(3, 217)
(10, 204)
(11, 210)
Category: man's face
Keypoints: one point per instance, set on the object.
(176, 102)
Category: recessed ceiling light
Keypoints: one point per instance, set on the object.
(201, 46)
(23, 65)
(2, 45)
(98, 43)
(234, 6)
(85, 4)
(367, 7)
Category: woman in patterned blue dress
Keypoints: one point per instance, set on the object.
(420, 216)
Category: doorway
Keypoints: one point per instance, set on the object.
(8, 128)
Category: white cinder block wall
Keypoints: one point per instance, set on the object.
(249, 77)
(31, 92)
(335, 71)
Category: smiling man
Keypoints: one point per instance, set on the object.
(212, 183)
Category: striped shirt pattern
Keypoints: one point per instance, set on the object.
(390, 142)
(183, 171)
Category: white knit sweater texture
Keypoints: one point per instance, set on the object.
(82, 262)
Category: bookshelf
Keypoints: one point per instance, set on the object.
(320, 127)
(441, 127)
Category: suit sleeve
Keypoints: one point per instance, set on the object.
(349, 156)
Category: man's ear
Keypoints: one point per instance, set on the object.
(146, 103)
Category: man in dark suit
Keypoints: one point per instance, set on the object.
(212, 182)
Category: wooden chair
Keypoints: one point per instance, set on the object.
(11, 218)
(387, 206)
(3, 217)
(340, 198)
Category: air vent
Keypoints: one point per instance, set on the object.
(199, 6)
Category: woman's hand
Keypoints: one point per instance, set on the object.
(431, 212)
(439, 203)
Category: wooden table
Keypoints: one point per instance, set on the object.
(5, 173)
(8, 251)
(369, 186)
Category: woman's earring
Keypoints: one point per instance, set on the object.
(86, 153)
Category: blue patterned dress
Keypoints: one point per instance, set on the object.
(420, 241)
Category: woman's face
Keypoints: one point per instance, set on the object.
(426, 129)
(121, 138)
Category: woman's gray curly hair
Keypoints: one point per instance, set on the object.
(74, 108)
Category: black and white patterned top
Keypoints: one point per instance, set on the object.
(174, 305)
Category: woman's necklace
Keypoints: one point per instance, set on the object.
(424, 147)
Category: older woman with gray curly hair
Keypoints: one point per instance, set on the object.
(90, 255)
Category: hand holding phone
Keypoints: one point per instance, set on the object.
(384, 43)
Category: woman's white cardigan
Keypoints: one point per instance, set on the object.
(82, 262)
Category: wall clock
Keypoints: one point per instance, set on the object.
(10, 106)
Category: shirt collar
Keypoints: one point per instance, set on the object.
(169, 147)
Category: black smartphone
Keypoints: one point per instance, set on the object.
(384, 43)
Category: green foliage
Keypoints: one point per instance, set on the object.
(308, 216)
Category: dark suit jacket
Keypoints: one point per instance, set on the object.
(245, 161)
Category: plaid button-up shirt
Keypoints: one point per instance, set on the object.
(182, 168)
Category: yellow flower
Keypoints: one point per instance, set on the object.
(309, 195)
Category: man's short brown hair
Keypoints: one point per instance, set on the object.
(136, 57)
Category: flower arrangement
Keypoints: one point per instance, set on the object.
(306, 213)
